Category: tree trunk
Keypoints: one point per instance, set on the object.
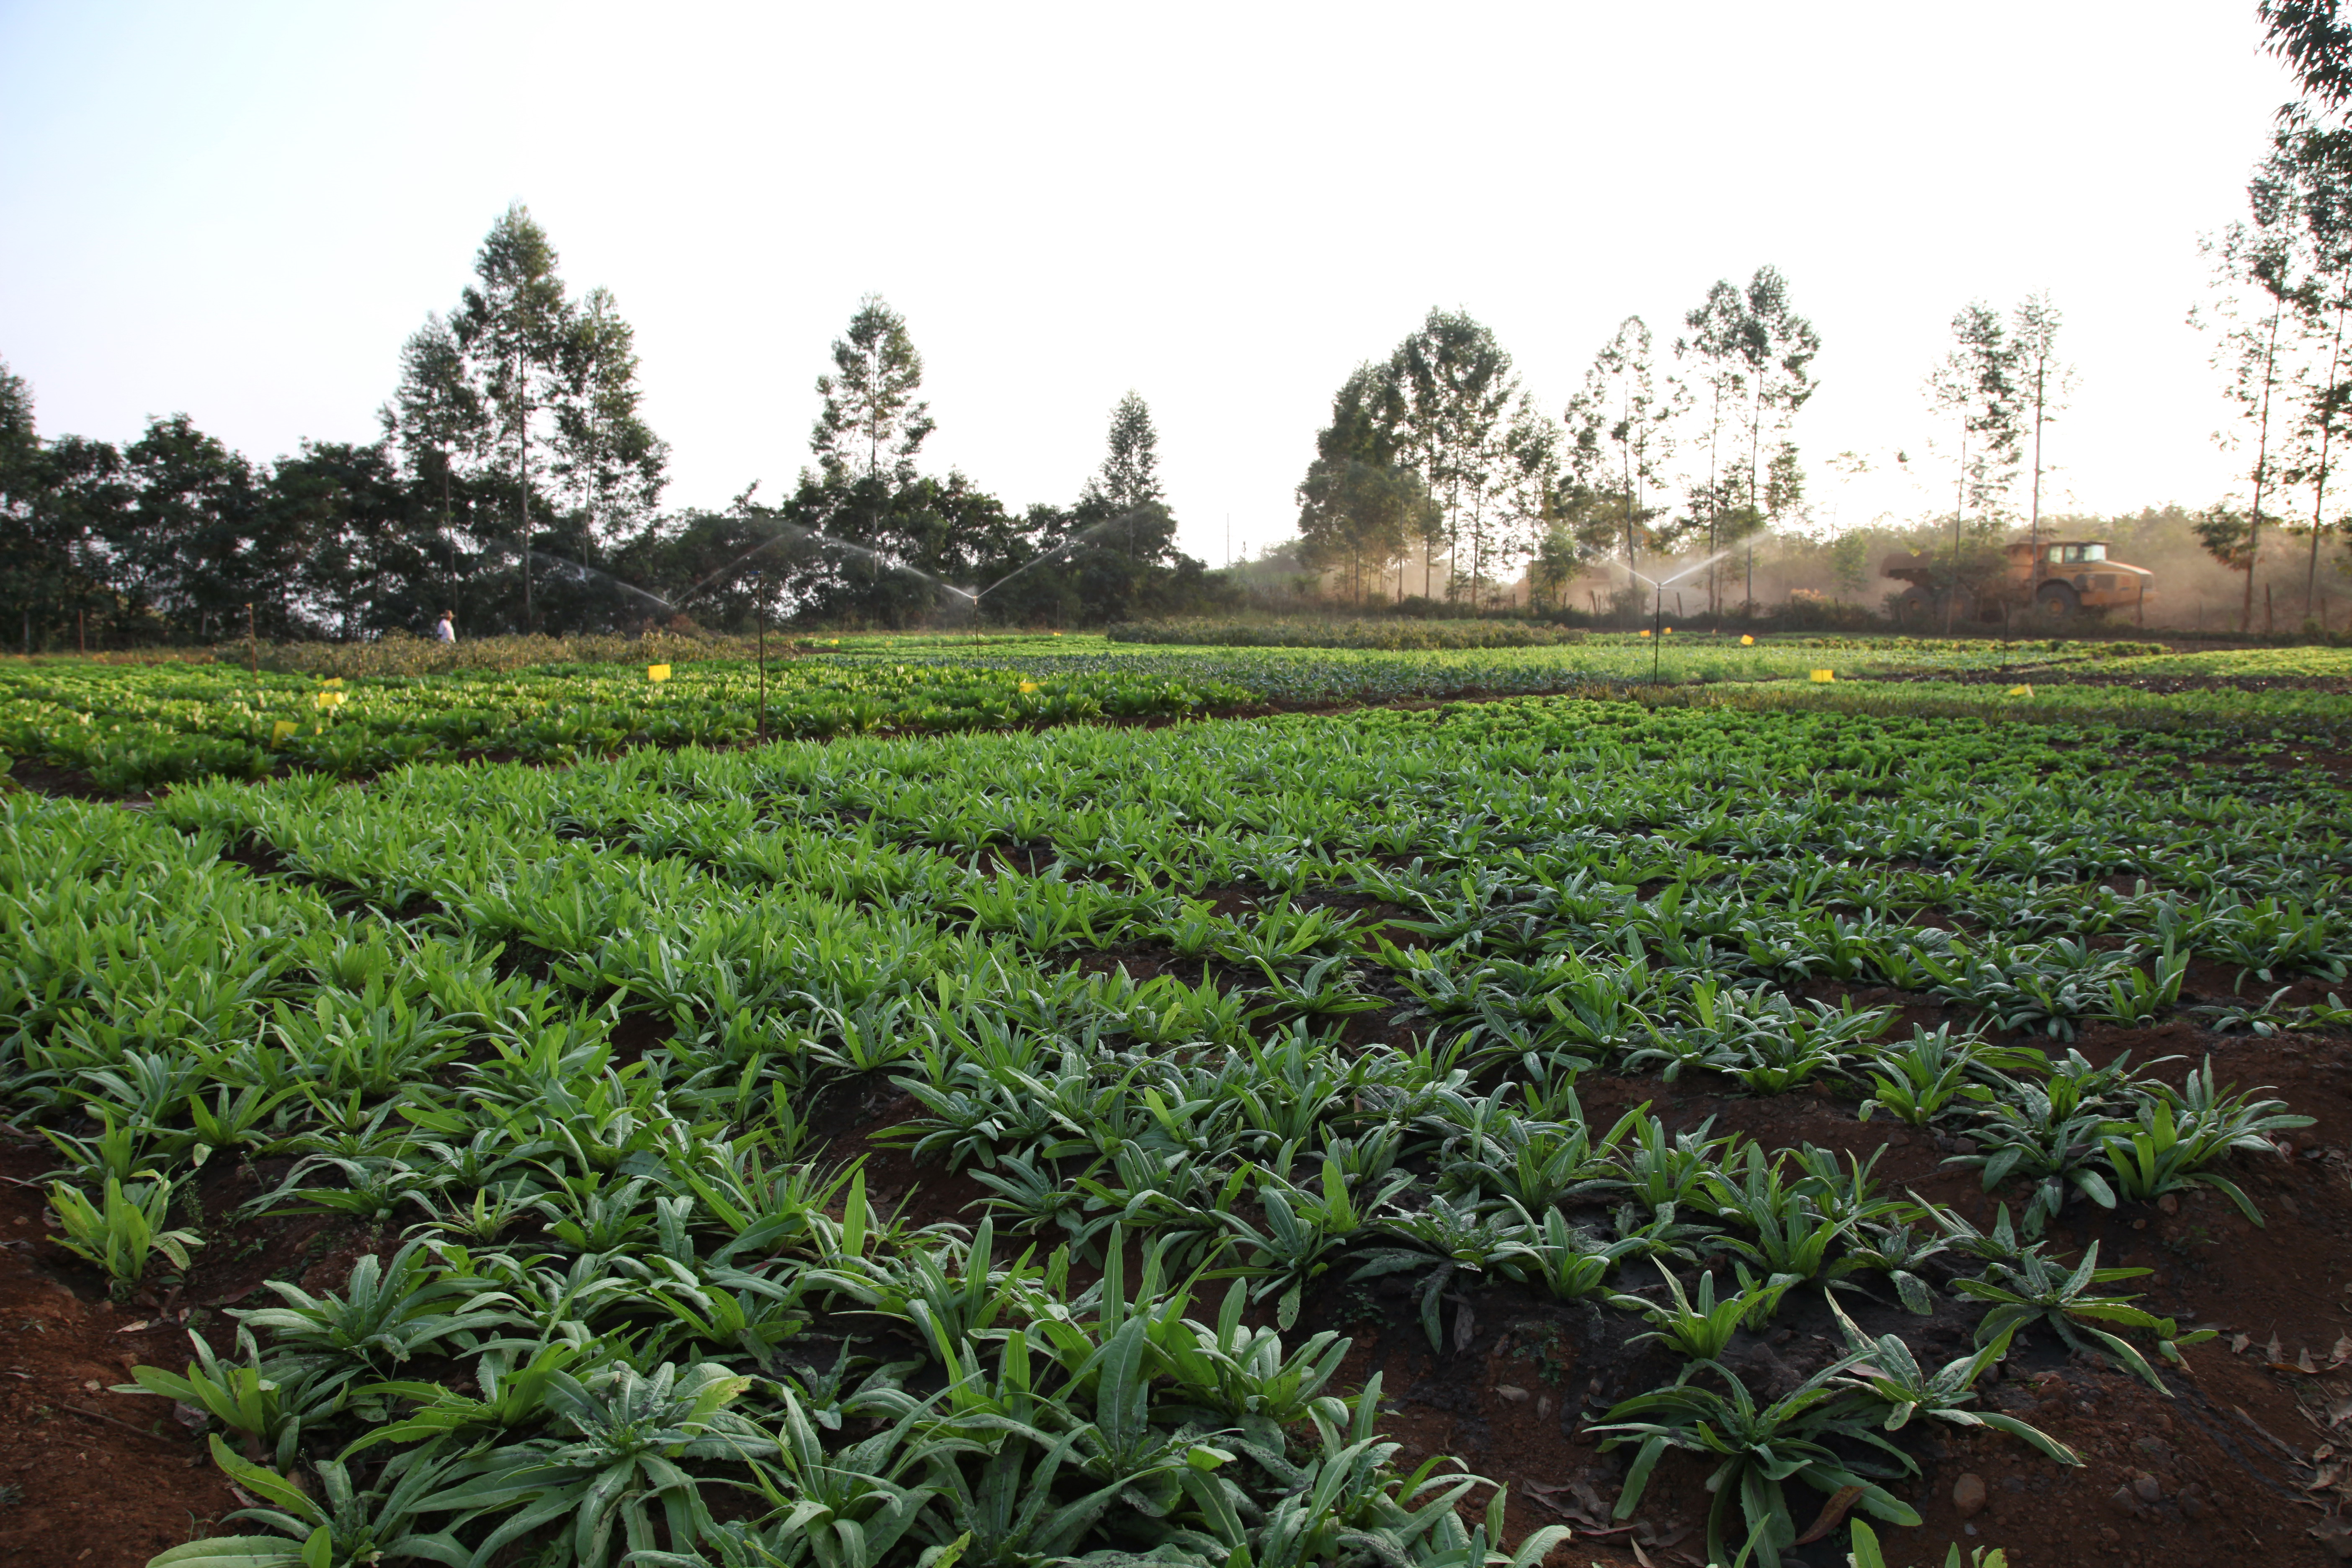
(2033, 528)
(522, 487)
(1959, 512)
(2262, 471)
(2319, 488)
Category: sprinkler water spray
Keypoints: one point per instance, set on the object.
(1658, 621)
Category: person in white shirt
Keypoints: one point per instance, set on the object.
(446, 629)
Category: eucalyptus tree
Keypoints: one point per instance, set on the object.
(1784, 492)
(1975, 385)
(2044, 384)
(1777, 347)
(1622, 413)
(2318, 161)
(1357, 506)
(871, 425)
(1523, 498)
(441, 420)
(612, 464)
(1129, 476)
(1718, 328)
(2259, 287)
(867, 491)
(514, 324)
(1453, 397)
(2314, 39)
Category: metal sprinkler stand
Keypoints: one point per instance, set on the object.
(764, 676)
(1658, 638)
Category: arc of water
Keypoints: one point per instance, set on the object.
(794, 531)
(1066, 546)
(565, 565)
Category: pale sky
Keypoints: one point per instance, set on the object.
(240, 210)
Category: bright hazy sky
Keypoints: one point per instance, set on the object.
(240, 211)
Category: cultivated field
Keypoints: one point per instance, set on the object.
(1164, 1127)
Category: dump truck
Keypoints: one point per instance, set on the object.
(2071, 576)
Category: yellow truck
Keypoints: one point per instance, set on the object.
(2072, 576)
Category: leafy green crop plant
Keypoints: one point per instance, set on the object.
(1757, 1449)
(2033, 1289)
(123, 1231)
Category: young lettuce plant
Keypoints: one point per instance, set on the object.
(1867, 1553)
(243, 1398)
(2179, 1132)
(340, 1524)
(123, 1232)
(1885, 1370)
(614, 1457)
(1303, 1235)
(2033, 1289)
(1758, 1448)
(1922, 1078)
(1703, 1330)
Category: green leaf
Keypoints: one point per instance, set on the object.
(230, 1552)
(268, 1485)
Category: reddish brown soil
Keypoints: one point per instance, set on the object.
(91, 1477)
(2241, 1461)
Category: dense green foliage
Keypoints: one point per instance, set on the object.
(1388, 635)
(645, 1269)
(136, 727)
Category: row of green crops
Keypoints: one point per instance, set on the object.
(635, 1309)
(1383, 634)
(137, 728)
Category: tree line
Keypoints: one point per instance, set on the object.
(2282, 286)
(1437, 453)
(516, 484)
(1440, 451)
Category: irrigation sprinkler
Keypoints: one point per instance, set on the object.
(252, 646)
(763, 615)
(1658, 620)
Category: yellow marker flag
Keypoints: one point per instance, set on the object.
(283, 728)
(1645, 631)
(1824, 675)
(1670, 631)
(1028, 686)
(1746, 641)
(328, 702)
(657, 672)
(2020, 691)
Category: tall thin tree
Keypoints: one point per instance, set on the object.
(2044, 384)
(1777, 347)
(1718, 329)
(513, 322)
(2259, 255)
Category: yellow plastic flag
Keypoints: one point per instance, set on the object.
(1645, 631)
(1746, 641)
(1028, 686)
(283, 728)
(2020, 691)
(333, 683)
(1670, 631)
(1824, 675)
(657, 672)
(327, 701)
